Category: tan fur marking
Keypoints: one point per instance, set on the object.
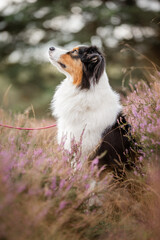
(73, 67)
(76, 48)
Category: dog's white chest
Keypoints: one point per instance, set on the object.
(90, 110)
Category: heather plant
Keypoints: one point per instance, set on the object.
(48, 193)
(39, 188)
(142, 107)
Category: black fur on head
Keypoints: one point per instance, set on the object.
(93, 65)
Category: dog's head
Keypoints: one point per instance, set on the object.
(84, 64)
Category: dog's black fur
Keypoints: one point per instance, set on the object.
(118, 149)
(93, 65)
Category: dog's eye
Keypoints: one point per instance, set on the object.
(74, 51)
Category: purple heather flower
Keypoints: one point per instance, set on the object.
(62, 205)
(38, 152)
(62, 183)
(54, 183)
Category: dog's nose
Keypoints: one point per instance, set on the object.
(52, 48)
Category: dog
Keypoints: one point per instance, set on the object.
(84, 100)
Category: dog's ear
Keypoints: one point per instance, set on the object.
(95, 58)
(91, 58)
(93, 67)
(98, 69)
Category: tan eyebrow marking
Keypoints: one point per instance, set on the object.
(74, 52)
(73, 67)
(76, 48)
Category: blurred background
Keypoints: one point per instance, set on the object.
(125, 30)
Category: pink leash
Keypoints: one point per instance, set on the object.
(20, 128)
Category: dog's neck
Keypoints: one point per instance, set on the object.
(103, 82)
(99, 95)
(101, 89)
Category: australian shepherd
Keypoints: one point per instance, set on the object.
(84, 100)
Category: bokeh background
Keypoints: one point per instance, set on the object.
(125, 30)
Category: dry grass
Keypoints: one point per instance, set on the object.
(43, 197)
